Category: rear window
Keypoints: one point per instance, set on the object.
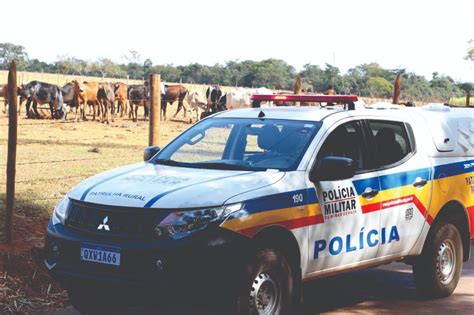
(391, 139)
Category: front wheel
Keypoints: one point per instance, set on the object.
(269, 285)
(439, 267)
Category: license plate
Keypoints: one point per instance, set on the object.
(100, 254)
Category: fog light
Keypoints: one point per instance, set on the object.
(159, 265)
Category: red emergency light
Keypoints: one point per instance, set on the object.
(304, 98)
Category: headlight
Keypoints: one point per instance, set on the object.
(180, 224)
(61, 211)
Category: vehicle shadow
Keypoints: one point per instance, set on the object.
(346, 290)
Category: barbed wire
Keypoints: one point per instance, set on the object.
(72, 160)
(64, 122)
(50, 178)
(20, 201)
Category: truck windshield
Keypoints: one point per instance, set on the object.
(241, 144)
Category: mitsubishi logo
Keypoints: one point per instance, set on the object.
(104, 224)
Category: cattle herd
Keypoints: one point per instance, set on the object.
(105, 100)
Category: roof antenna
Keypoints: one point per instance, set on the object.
(261, 115)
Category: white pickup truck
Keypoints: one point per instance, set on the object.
(247, 204)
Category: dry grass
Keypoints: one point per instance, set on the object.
(41, 182)
(52, 157)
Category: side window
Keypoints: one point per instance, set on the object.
(391, 141)
(346, 141)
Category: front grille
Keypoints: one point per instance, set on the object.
(121, 222)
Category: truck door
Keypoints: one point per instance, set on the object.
(405, 182)
(347, 236)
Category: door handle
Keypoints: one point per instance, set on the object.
(370, 193)
(420, 182)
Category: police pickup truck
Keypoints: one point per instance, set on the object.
(247, 204)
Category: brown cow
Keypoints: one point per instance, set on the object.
(106, 98)
(88, 96)
(170, 95)
(121, 96)
(4, 95)
(330, 92)
(100, 95)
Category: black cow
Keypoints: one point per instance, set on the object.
(138, 95)
(216, 99)
(44, 93)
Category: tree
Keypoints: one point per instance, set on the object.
(35, 65)
(470, 51)
(71, 65)
(379, 87)
(168, 72)
(443, 88)
(314, 76)
(273, 73)
(467, 87)
(107, 68)
(9, 52)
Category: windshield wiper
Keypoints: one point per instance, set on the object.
(226, 166)
(168, 162)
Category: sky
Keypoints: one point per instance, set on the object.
(421, 36)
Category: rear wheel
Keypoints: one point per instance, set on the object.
(439, 267)
(269, 285)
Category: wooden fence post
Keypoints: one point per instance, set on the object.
(11, 159)
(155, 110)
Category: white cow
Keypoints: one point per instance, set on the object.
(263, 91)
(241, 98)
(198, 103)
(238, 98)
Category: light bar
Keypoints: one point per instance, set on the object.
(304, 98)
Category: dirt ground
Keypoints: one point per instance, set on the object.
(52, 157)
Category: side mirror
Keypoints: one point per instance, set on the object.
(333, 168)
(150, 152)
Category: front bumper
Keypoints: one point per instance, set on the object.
(210, 259)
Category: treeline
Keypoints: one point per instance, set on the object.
(370, 80)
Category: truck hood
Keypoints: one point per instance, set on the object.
(146, 185)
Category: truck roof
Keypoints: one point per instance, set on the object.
(451, 129)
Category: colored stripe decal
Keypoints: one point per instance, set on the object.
(87, 191)
(279, 201)
(406, 178)
(289, 224)
(470, 213)
(453, 169)
(372, 207)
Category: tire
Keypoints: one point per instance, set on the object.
(439, 267)
(269, 285)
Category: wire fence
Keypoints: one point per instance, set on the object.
(72, 160)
